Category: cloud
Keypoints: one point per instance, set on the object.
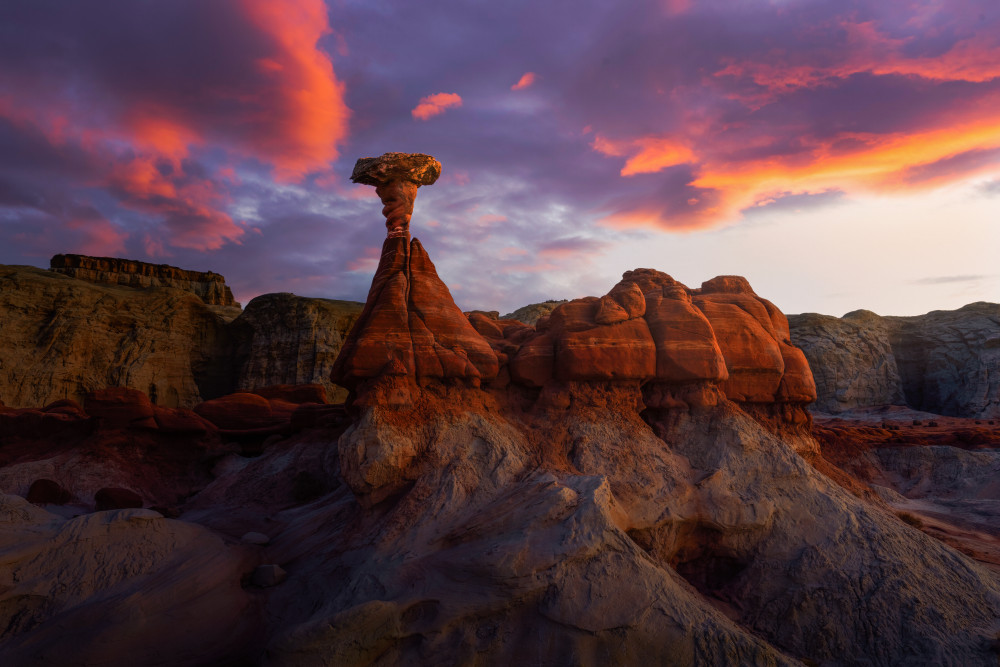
(526, 81)
(947, 280)
(161, 129)
(654, 116)
(990, 188)
(435, 104)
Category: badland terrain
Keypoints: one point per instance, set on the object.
(660, 474)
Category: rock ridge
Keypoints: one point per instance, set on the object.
(208, 286)
(946, 361)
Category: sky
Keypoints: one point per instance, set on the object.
(840, 154)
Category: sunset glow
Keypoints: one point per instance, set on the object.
(641, 125)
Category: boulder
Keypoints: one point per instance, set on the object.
(120, 407)
(239, 411)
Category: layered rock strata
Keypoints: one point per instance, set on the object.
(62, 338)
(208, 286)
(288, 339)
(945, 362)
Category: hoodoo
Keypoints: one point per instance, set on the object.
(631, 480)
(410, 330)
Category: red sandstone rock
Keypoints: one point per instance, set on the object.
(65, 406)
(630, 297)
(746, 336)
(686, 347)
(411, 318)
(237, 411)
(181, 420)
(294, 393)
(623, 351)
(609, 311)
(120, 407)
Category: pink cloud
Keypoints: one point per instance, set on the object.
(526, 80)
(435, 104)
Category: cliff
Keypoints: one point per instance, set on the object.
(944, 362)
(62, 337)
(288, 339)
(208, 286)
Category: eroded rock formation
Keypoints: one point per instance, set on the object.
(208, 286)
(632, 480)
(62, 338)
(945, 362)
(288, 339)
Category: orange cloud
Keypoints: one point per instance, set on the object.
(312, 116)
(649, 154)
(435, 104)
(189, 208)
(866, 50)
(285, 108)
(876, 163)
(526, 80)
(98, 237)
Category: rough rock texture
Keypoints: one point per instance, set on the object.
(851, 359)
(942, 474)
(945, 362)
(683, 345)
(411, 327)
(120, 587)
(288, 339)
(530, 314)
(209, 287)
(417, 167)
(62, 338)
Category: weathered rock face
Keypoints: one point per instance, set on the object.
(682, 344)
(62, 338)
(945, 362)
(209, 287)
(851, 359)
(288, 339)
(119, 557)
(530, 314)
(410, 327)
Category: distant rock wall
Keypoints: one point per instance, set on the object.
(62, 337)
(945, 362)
(208, 286)
(289, 339)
